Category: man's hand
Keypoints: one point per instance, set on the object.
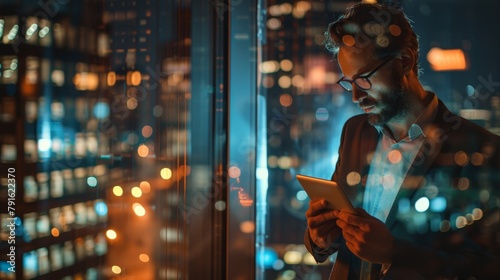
(366, 236)
(321, 222)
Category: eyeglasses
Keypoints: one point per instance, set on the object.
(362, 82)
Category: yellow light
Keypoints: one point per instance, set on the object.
(139, 210)
(477, 214)
(144, 258)
(284, 82)
(286, 65)
(269, 66)
(166, 173)
(116, 269)
(292, 257)
(111, 234)
(132, 103)
(117, 190)
(143, 151)
(136, 192)
(284, 162)
(308, 259)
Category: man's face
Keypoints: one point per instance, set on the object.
(385, 101)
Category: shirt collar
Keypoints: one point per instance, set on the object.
(422, 124)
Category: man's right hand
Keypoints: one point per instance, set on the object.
(321, 222)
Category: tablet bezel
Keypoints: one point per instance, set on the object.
(318, 189)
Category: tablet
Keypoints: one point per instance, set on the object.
(318, 189)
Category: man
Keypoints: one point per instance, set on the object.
(424, 180)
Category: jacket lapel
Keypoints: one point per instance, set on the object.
(430, 149)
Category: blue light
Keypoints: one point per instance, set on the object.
(322, 114)
(30, 261)
(101, 208)
(438, 204)
(301, 195)
(101, 110)
(266, 257)
(92, 181)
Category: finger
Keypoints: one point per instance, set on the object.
(350, 229)
(360, 221)
(323, 218)
(316, 207)
(349, 218)
(327, 230)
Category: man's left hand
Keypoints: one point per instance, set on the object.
(366, 236)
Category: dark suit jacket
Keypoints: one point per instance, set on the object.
(459, 161)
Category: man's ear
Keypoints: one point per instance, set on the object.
(408, 59)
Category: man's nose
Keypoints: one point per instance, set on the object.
(358, 94)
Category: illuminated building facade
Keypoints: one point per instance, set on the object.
(52, 98)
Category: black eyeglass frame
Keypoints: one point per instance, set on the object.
(364, 77)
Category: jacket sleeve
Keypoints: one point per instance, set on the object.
(319, 254)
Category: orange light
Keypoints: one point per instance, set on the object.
(111, 78)
(446, 60)
(54, 232)
(143, 151)
(145, 186)
(144, 258)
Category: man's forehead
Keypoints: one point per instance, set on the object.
(366, 54)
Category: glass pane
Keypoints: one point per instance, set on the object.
(115, 136)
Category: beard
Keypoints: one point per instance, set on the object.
(393, 105)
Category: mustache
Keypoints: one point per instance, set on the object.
(367, 102)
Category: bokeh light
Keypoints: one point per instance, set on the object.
(143, 151)
(247, 227)
(144, 258)
(166, 173)
(117, 190)
(136, 192)
(145, 186)
(139, 210)
(111, 234)
(54, 232)
(147, 131)
(422, 204)
(286, 100)
(116, 269)
(234, 172)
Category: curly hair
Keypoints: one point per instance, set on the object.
(383, 26)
